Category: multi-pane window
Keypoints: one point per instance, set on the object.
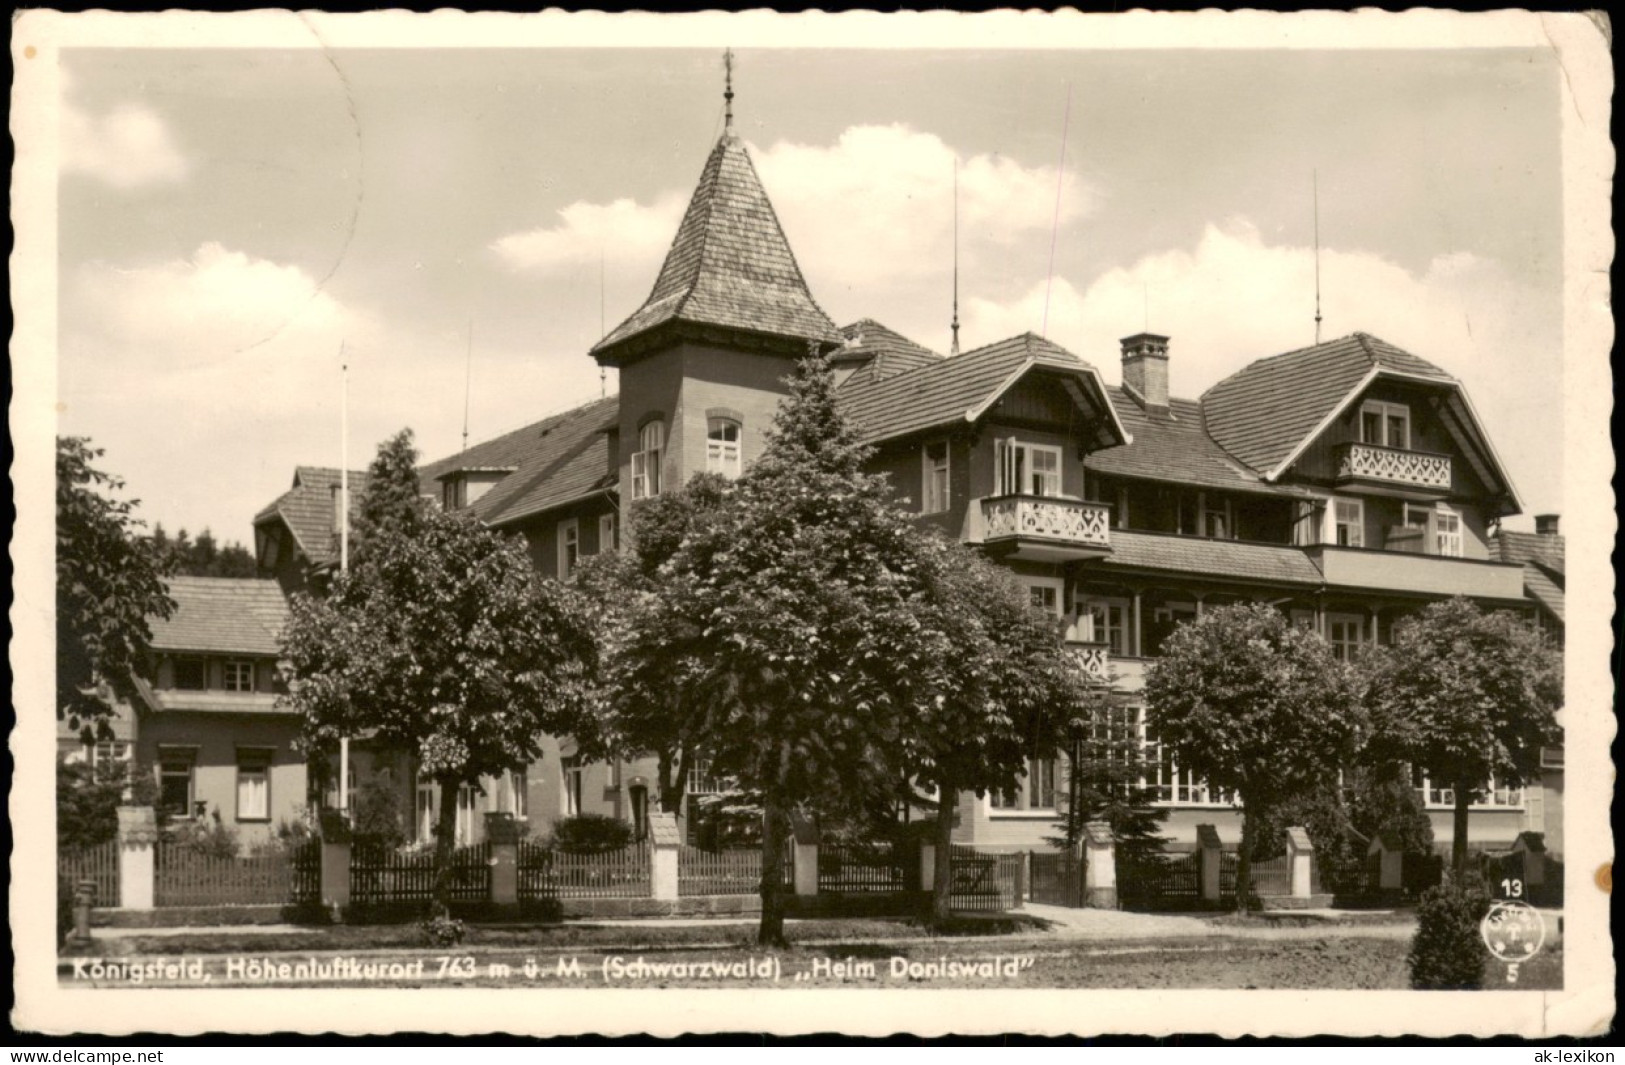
(1348, 522)
(1492, 794)
(1028, 469)
(175, 781)
(239, 675)
(253, 784)
(1034, 791)
(722, 450)
(934, 496)
(647, 459)
(572, 780)
(191, 674)
(569, 547)
(606, 532)
(1103, 621)
(1045, 595)
(1385, 424)
(1346, 633)
(519, 782)
(1447, 532)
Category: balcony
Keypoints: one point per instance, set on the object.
(1042, 528)
(1394, 571)
(1094, 658)
(1391, 471)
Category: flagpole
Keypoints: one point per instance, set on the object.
(344, 545)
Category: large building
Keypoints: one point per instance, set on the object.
(1350, 483)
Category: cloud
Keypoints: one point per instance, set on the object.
(128, 147)
(870, 212)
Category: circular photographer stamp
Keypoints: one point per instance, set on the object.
(1514, 931)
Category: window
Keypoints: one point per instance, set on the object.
(427, 807)
(1491, 795)
(606, 532)
(1027, 469)
(722, 453)
(1385, 424)
(191, 674)
(571, 778)
(1216, 518)
(519, 781)
(466, 802)
(612, 778)
(253, 784)
(1034, 791)
(239, 675)
(175, 781)
(934, 491)
(1348, 522)
(646, 461)
(1045, 594)
(1447, 532)
(1346, 634)
(569, 547)
(1102, 621)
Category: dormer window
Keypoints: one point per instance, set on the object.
(1385, 424)
(646, 460)
(722, 450)
(1027, 469)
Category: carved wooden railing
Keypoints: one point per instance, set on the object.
(1421, 469)
(1094, 658)
(1067, 521)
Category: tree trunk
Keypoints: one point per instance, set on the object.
(1244, 860)
(445, 844)
(1458, 831)
(771, 931)
(943, 860)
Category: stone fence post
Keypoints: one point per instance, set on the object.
(502, 832)
(804, 854)
(1390, 862)
(1301, 859)
(928, 866)
(665, 840)
(137, 867)
(1099, 866)
(1209, 854)
(1533, 847)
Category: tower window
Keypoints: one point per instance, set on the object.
(722, 447)
(646, 460)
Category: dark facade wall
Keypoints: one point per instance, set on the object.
(982, 459)
(1319, 460)
(903, 464)
(541, 532)
(216, 738)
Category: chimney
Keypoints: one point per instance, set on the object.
(1546, 524)
(1145, 368)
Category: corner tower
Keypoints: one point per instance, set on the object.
(703, 361)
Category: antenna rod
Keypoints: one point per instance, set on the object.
(728, 89)
(1055, 227)
(603, 379)
(1315, 179)
(954, 348)
(344, 543)
(468, 380)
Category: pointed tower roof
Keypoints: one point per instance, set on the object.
(729, 267)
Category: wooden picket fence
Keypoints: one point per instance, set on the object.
(184, 877)
(1174, 881)
(1056, 878)
(860, 868)
(737, 871)
(383, 875)
(545, 873)
(98, 862)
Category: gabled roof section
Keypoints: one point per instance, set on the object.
(879, 353)
(962, 389)
(729, 265)
(558, 460)
(1173, 446)
(1542, 559)
(1234, 559)
(307, 510)
(222, 615)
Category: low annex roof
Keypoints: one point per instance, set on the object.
(307, 510)
(222, 615)
(961, 388)
(1281, 564)
(555, 461)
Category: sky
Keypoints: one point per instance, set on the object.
(465, 223)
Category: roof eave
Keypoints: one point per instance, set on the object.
(975, 414)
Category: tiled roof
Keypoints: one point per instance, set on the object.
(729, 264)
(1262, 412)
(945, 391)
(1540, 587)
(1211, 558)
(555, 461)
(1173, 446)
(1547, 550)
(307, 509)
(222, 614)
(881, 352)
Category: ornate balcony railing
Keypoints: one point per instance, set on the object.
(1414, 469)
(1064, 521)
(1094, 658)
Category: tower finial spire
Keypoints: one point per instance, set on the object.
(954, 348)
(728, 89)
(1315, 180)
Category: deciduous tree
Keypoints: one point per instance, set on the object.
(1255, 706)
(1466, 695)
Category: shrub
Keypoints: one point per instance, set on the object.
(1448, 953)
(591, 834)
(211, 838)
(442, 931)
